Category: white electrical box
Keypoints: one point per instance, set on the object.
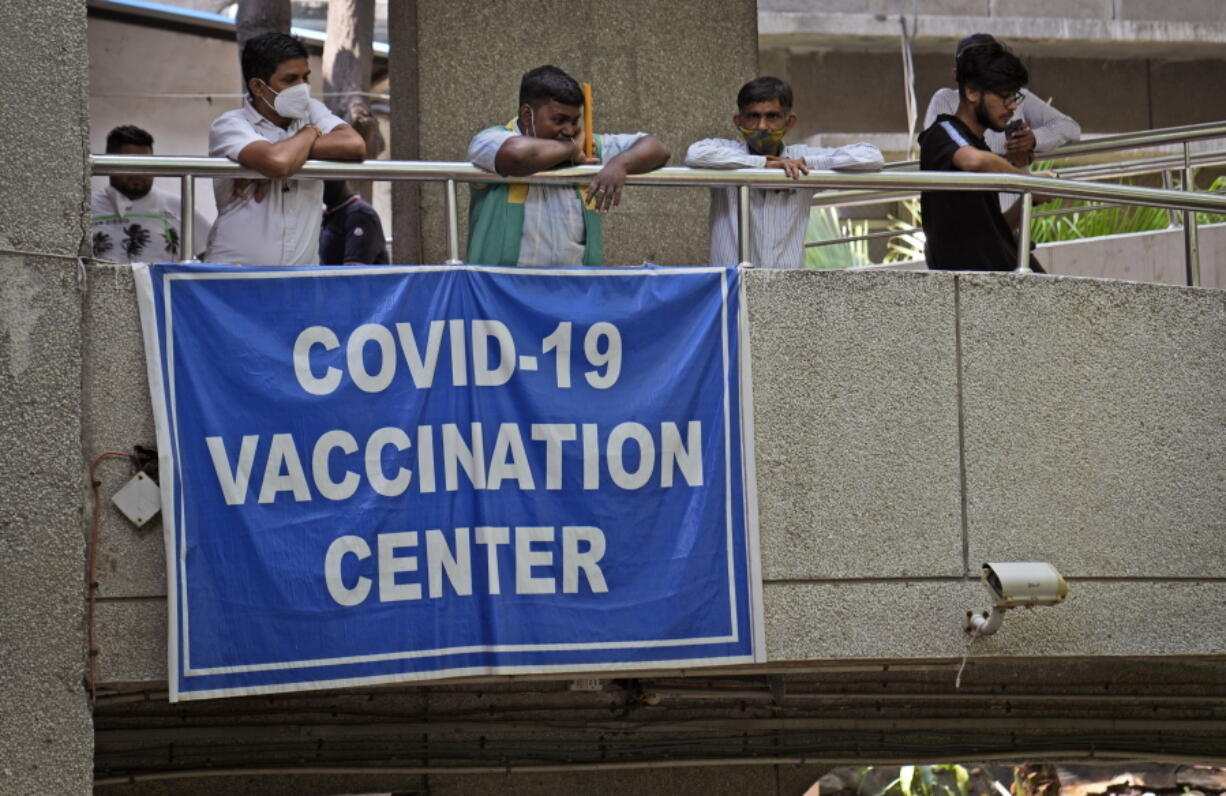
(140, 499)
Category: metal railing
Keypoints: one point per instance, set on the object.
(1141, 139)
(451, 173)
(1186, 163)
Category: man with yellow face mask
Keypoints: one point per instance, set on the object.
(777, 217)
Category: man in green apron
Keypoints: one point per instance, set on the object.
(532, 225)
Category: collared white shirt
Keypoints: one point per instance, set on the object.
(1051, 127)
(283, 229)
(140, 230)
(778, 217)
(553, 215)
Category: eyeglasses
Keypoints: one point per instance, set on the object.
(1013, 99)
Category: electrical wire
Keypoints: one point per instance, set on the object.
(91, 583)
(908, 75)
(25, 253)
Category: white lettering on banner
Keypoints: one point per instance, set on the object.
(634, 457)
(458, 454)
(284, 472)
(355, 355)
(458, 567)
(553, 435)
(311, 336)
(421, 368)
(509, 443)
(484, 346)
(685, 457)
(380, 439)
(623, 432)
(327, 443)
(391, 564)
(483, 374)
(491, 538)
(397, 561)
(342, 594)
(459, 358)
(233, 482)
(526, 559)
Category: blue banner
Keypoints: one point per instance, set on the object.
(377, 474)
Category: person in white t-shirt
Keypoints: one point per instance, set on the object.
(277, 129)
(131, 221)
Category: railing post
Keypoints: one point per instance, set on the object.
(187, 219)
(1023, 235)
(1191, 240)
(744, 232)
(453, 227)
(1172, 216)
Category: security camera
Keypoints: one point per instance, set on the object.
(1013, 584)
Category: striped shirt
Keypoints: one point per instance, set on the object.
(778, 217)
(553, 217)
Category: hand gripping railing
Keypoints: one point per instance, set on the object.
(188, 168)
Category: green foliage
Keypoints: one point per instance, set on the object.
(1096, 222)
(927, 781)
(908, 243)
(825, 224)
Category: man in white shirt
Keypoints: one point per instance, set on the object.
(277, 129)
(778, 218)
(522, 224)
(133, 221)
(1043, 128)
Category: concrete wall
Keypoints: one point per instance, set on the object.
(909, 427)
(124, 83)
(1156, 257)
(1189, 11)
(654, 67)
(1141, 257)
(1081, 418)
(46, 735)
(1113, 65)
(860, 91)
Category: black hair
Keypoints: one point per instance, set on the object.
(765, 89)
(549, 84)
(335, 192)
(127, 135)
(263, 54)
(990, 67)
(973, 40)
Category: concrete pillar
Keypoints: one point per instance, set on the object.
(402, 66)
(46, 732)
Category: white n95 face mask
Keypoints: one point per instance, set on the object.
(294, 102)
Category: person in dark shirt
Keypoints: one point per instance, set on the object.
(352, 233)
(966, 230)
